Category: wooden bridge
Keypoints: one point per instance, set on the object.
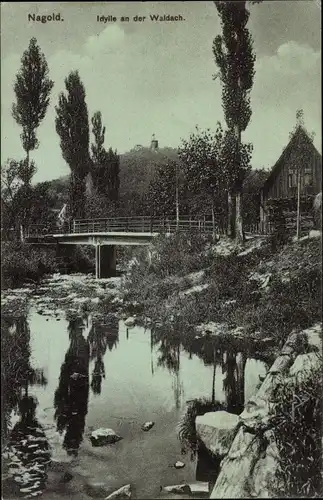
(106, 233)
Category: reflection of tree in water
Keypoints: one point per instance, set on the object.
(16, 370)
(169, 347)
(233, 382)
(29, 450)
(103, 335)
(71, 396)
(219, 352)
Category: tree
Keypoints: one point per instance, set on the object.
(112, 162)
(72, 126)
(235, 58)
(201, 155)
(16, 193)
(161, 195)
(97, 148)
(32, 88)
(105, 165)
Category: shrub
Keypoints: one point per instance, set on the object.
(297, 423)
(22, 262)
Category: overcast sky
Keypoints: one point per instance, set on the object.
(153, 77)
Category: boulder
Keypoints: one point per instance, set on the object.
(179, 465)
(179, 489)
(96, 490)
(147, 426)
(304, 364)
(217, 430)
(121, 494)
(129, 322)
(199, 489)
(313, 336)
(101, 437)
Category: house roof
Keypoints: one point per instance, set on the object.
(300, 131)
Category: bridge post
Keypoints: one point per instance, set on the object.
(98, 261)
(107, 261)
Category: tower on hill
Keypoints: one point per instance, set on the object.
(154, 143)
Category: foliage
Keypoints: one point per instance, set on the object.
(297, 424)
(32, 89)
(202, 168)
(105, 165)
(22, 262)
(162, 190)
(178, 254)
(186, 427)
(73, 129)
(235, 58)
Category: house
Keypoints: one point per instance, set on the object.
(282, 182)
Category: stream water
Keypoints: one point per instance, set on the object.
(126, 376)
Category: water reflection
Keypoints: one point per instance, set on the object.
(71, 396)
(169, 356)
(103, 335)
(29, 450)
(17, 372)
(223, 354)
(233, 382)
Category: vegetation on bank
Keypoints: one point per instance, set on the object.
(23, 263)
(263, 294)
(297, 425)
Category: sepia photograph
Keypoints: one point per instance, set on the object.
(161, 242)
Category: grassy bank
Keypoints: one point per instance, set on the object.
(185, 281)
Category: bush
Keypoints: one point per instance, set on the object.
(22, 262)
(297, 425)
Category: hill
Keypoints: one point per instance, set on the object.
(137, 168)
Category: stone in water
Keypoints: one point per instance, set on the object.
(130, 321)
(101, 437)
(179, 465)
(180, 489)
(121, 494)
(147, 426)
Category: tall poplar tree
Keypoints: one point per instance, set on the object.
(72, 126)
(32, 88)
(235, 58)
(105, 164)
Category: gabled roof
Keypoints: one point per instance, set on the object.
(300, 131)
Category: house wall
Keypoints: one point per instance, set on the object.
(280, 187)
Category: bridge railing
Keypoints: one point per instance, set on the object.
(126, 225)
(139, 225)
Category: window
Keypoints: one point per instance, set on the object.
(308, 179)
(292, 179)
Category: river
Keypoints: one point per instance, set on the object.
(133, 377)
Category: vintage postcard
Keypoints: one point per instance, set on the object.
(161, 211)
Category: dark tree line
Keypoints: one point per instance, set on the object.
(100, 166)
(32, 88)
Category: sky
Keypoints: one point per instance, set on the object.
(156, 77)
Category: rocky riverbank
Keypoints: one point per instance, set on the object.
(247, 443)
